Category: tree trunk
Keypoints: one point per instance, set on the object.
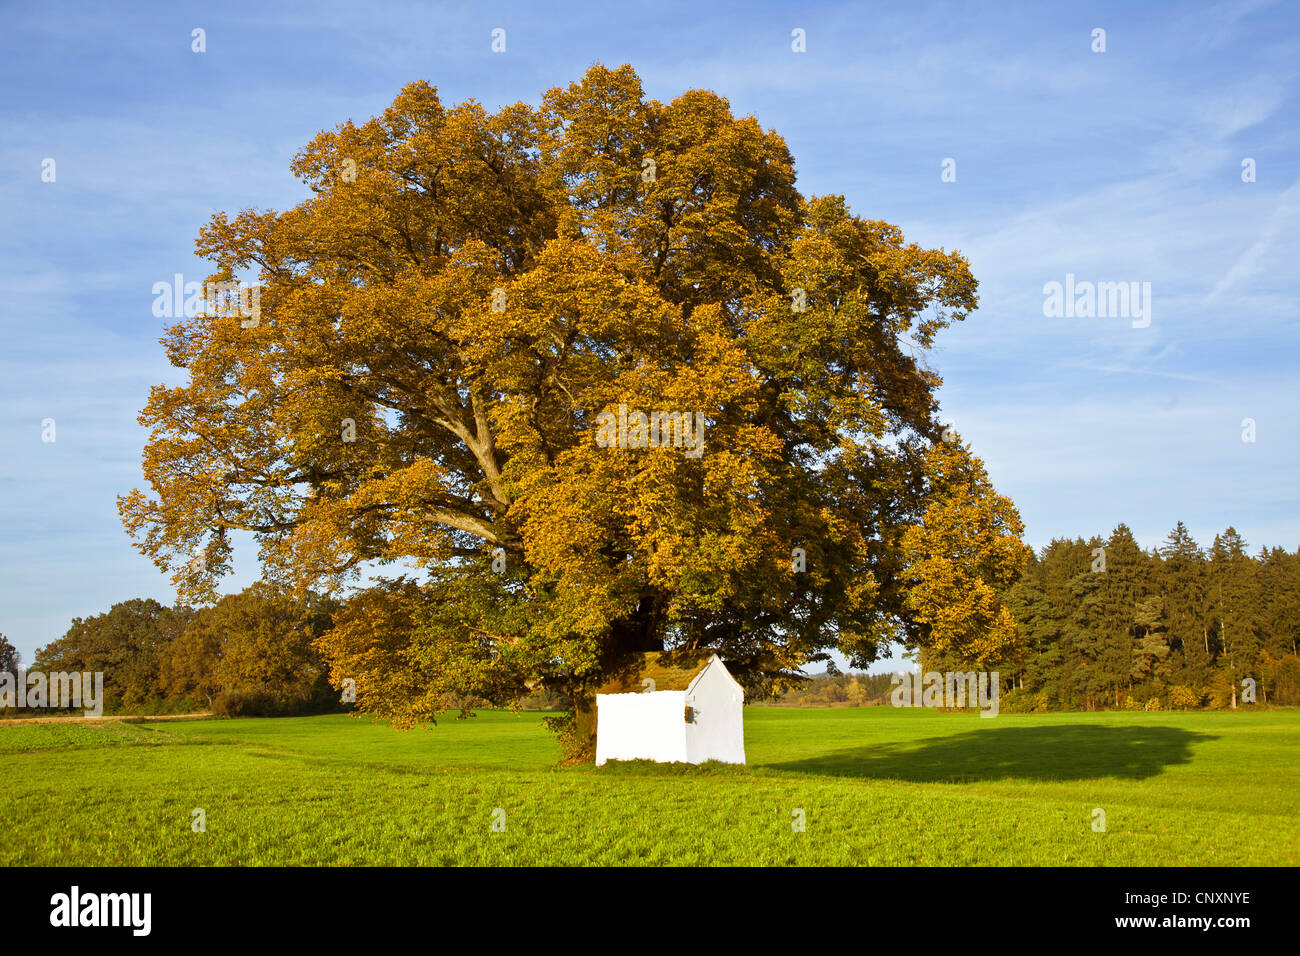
(638, 633)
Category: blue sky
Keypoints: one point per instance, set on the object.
(1117, 166)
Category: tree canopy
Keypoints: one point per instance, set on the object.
(461, 301)
(125, 643)
(251, 651)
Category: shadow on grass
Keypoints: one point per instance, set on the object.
(1069, 752)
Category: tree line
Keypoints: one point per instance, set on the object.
(836, 689)
(1104, 623)
(251, 653)
(1100, 623)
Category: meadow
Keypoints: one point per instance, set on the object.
(874, 786)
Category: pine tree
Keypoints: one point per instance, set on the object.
(1278, 582)
(10, 660)
(1125, 587)
(1184, 587)
(1233, 602)
(1039, 628)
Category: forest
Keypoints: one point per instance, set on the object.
(1105, 624)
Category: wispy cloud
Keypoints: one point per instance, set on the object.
(1286, 217)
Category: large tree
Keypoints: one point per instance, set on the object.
(448, 323)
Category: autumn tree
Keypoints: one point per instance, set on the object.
(449, 322)
(125, 643)
(253, 652)
(857, 693)
(961, 558)
(187, 668)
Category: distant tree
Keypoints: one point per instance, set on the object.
(188, 666)
(10, 660)
(1234, 605)
(1183, 580)
(1084, 636)
(1278, 581)
(1125, 587)
(1286, 681)
(1151, 649)
(125, 643)
(1038, 625)
(258, 646)
(857, 693)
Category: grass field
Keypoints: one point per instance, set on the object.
(876, 786)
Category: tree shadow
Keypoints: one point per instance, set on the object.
(1068, 752)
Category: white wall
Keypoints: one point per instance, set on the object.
(718, 732)
(641, 726)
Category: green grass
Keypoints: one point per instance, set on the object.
(876, 786)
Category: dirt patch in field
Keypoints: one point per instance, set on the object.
(107, 718)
